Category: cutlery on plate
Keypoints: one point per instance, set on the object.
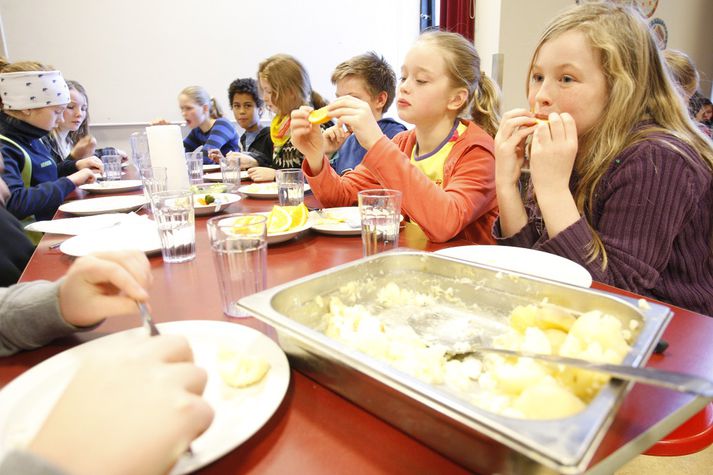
(147, 320)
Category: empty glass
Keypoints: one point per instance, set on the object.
(290, 186)
(194, 164)
(230, 168)
(112, 167)
(140, 150)
(380, 212)
(239, 245)
(173, 213)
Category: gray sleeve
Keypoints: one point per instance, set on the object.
(30, 316)
(26, 463)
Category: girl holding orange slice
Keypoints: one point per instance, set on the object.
(621, 177)
(444, 167)
(285, 86)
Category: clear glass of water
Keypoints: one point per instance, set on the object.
(194, 164)
(173, 213)
(380, 212)
(230, 168)
(140, 150)
(112, 167)
(239, 246)
(290, 186)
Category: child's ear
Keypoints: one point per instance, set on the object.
(458, 99)
(381, 99)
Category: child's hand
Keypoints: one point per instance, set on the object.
(261, 174)
(552, 154)
(334, 137)
(514, 129)
(93, 163)
(307, 138)
(215, 155)
(160, 122)
(357, 116)
(246, 161)
(84, 147)
(85, 175)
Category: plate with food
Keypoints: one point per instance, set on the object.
(105, 204)
(228, 352)
(212, 203)
(218, 176)
(113, 186)
(283, 222)
(211, 167)
(525, 261)
(263, 190)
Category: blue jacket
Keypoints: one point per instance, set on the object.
(46, 191)
(222, 136)
(351, 153)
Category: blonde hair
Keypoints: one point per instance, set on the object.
(683, 71)
(463, 66)
(290, 83)
(639, 89)
(201, 97)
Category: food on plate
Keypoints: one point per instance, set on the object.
(319, 116)
(511, 386)
(240, 370)
(286, 218)
(206, 200)
(214, 188)
(261, 188)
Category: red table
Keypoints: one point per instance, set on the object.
(317, 431)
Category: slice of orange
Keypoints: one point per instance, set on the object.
(279, 220)
(299, 214)
(245, 225)
(319, 116)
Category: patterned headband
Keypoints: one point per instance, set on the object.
(33, 89)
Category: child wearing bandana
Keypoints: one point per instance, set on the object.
(33, 99)
(285, 86)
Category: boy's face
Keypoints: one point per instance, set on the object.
(245, 110)
(354, 86)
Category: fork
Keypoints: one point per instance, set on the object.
(148, 320)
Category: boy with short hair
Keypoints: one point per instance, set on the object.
(370, 78)
(247, 105)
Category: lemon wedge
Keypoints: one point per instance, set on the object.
(279, 220)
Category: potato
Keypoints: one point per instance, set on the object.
(547, 400)
(240, 370)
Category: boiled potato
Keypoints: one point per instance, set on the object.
(240, 370)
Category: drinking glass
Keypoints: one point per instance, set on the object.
(173, 213)
(290, 186)
(194, 164)
(239, 245)
(140, 150)
(112, 167)
(230, 168)
(380, 212)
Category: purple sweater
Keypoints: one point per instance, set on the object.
(653, 211)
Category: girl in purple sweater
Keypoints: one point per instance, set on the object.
(621, 178)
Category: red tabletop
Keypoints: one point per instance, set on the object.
(317, 431)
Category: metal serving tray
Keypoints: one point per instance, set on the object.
(479, 440)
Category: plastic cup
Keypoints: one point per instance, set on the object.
(239, 245)
(112, 167)
(173, 213)
(194, 164)
(380, 212)
(290, 186)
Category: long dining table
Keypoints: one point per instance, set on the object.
(317, 431)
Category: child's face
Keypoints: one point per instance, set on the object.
(424, 90)
(75, 113)
(567, 77)
(268, 95)
(45, 118)
(355, 86)
(244, 109)
(193, 113)
(705, 113)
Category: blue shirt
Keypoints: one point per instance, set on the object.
(222, 136)
(351, 153)
(46, 191)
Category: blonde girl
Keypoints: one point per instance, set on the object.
(33, 100)
(70, 140)
(621, 176)
(285, 86)
(444, 166)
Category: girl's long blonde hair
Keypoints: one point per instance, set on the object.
(201, 97)
(463, 66)
(290, 83)
(640, 90)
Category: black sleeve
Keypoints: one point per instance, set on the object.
(15, 251)
(66, 167)
(261, 148)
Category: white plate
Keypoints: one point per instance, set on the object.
(239, 413)
(211, 167)
(115, 186)
(350, 215)
(99, 176)
(219, 176)
(223, 201)
(275, 238)
(263, 190)
(138, 232)
(106, 204)
(74, 226)
(525, 261)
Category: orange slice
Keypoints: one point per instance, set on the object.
(319, 116)
(279, 220)
(299, 214)
(246, 225)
